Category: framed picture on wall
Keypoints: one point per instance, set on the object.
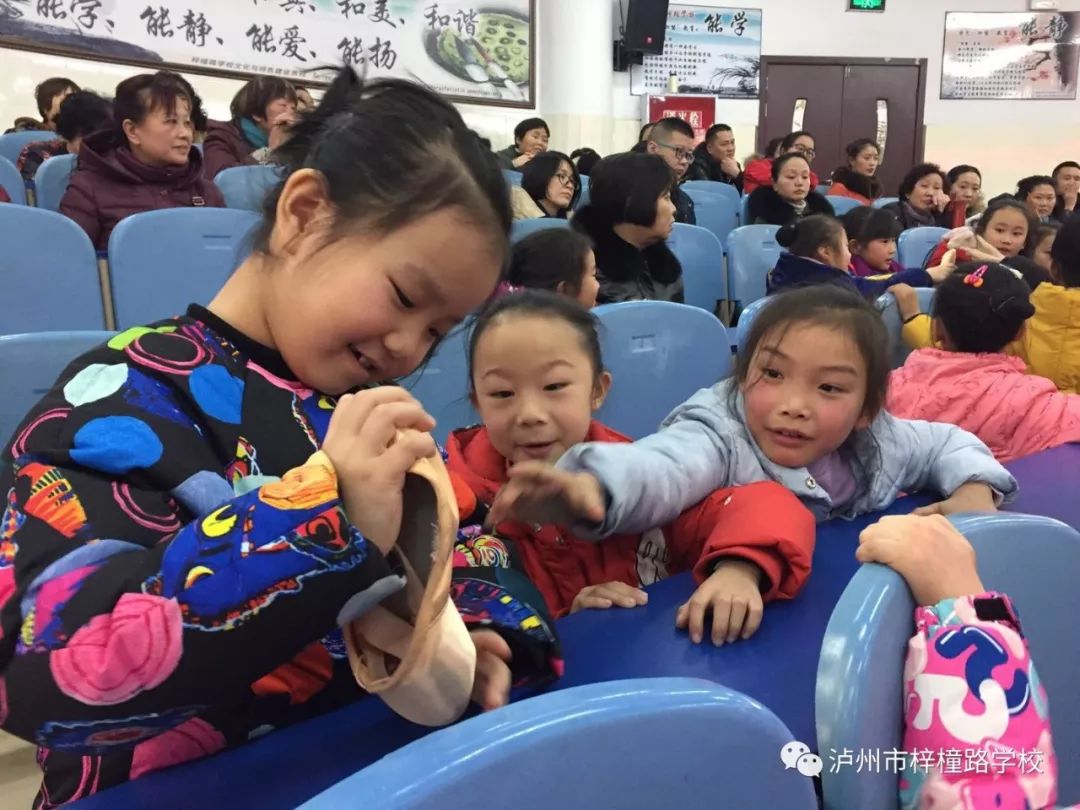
(480, 51)
(713, 51)
(1010, 55)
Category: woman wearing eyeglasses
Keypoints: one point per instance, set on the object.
(553, 183)
(760, 173)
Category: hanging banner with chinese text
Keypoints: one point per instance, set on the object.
(1010, 55)
(716, 51)
(465, 49)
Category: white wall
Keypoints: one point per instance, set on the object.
(1005, 139)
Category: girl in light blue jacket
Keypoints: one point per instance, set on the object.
(804, 408)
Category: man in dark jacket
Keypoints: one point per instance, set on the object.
(673, 140)
(714, 158)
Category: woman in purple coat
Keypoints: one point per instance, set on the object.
(144, 162)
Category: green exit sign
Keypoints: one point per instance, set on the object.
(866, 5)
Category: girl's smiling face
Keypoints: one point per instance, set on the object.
(805, 393)
(535, 386)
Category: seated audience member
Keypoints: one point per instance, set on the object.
(965, 191)
(1007, 228)
(967, 380)
(1067, 182)
(553, 183)
(938, 564)
(261, 112)
(531, 137)
(857, 179)
(1045, 234)
(146, 161)
(760, 172)
(714, 158)
(673, 140)
(1050, 343)
(872, 235)
(924, 199)
(791, 195)
(628, 218)
(304, 101)
(537, 377)
(82, 113)
(558, 259)
(817, 253)
(1039, 194)
(49, 95)
(584, 159)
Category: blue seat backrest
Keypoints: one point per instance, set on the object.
(576, 748)
(442, 385)
(12, 144)
(898, 350)
(841, 205)
(520, 228)
(746, 321)
(881, 202)
(915, 244)
(246, 187)
(744, 211)
(31, 364)
(48, 272)
(859, 701)
(161, 261)
(713, 187)
(752, 252)
(701, 255)
(512, 177)
(51, 181)
(717, 213)
(12, 182)
(659, 354)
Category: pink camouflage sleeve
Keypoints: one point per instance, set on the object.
(978, 727)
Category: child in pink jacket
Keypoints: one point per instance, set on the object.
(964, 635)
(968, 381)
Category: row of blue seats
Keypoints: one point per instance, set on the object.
(703, 735)
(158, 262)
(659, 354)
(751, 252)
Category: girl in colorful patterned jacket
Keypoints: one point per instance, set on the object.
(199, 506)
(537, 378)
(948, 670)
(804, 408)
(966, 379)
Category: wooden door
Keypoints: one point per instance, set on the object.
(842, 99)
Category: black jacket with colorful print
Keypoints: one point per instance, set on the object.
(173, 573)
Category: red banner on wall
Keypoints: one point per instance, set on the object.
(698, 111)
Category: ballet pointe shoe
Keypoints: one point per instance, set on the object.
(412, 650)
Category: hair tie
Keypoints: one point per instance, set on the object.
(975, 279)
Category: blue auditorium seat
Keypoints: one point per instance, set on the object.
(520, 228)
(512, 177)
(915, 244)
(898, 350)
(246, 187)
(161, 261)
(633, 745)
(746, 321)
(12, 182)
(51, 181)
(442, 385)
(752, 252)
(713, 187)
(659, 354)
(12, 144)
(718, 213)
(48, 272)
(841, 205)
(881, 202)
(701, 255)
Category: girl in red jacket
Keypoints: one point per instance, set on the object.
(537, 377)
